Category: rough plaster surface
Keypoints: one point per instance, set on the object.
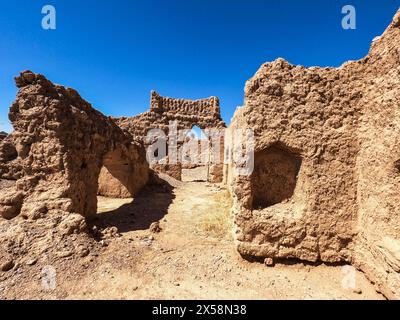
(344, 125)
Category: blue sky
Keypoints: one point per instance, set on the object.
(115, 52)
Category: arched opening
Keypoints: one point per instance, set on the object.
(198, 133)
(121, 176)
(195, 155)
(275, 175)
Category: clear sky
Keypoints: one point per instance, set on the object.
(115, 52)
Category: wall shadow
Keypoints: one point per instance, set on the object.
(151, 205)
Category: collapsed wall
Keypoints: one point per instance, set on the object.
(204, 113)
(326, 177)
(52, 159)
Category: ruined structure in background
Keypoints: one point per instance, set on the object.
(327, 179)
(52, 159)
(204, 113)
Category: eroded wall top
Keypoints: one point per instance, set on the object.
(204, 113)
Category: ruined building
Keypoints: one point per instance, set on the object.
(326, 179)
(204, 113)
(54, 155)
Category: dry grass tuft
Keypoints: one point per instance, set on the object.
(218, 223)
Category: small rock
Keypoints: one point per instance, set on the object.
(7, 265)
(74, 223)
(151, 238)
(155, 227)
(65, 254)
(83, 252)
(31, 262)
(94, 230)
(357, 290)
(110, 232)
(269, 262)
(104, 243)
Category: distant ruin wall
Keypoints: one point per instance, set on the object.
(204, 113)
(199, 109)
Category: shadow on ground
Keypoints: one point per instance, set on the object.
(149, 206)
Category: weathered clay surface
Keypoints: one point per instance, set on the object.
(57, 149)
(3, 135)
(326, 179)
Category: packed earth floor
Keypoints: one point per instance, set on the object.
(189, 254)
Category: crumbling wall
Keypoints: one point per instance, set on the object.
(303, 110)
(55, 153)
(3, 135)
(205, 113)
(377, 250)
(9, 165)
(343, 125)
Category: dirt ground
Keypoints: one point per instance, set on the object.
(191, 257)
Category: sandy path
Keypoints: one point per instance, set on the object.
(193, 257)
